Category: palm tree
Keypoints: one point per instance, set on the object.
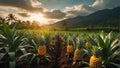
(11, 19)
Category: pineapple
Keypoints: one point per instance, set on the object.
(69, 49)
(87, 44)
(96, 60)
(42, 50)
(78, 54)
(53, 42)
(62, 38)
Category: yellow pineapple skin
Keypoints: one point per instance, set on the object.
(69, 49)
(78, 55)
(88, 45)
(42, 50)
(95, 62)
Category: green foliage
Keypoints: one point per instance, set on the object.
(11, 41)
(96, 50)
(110, 47)
(30, 51)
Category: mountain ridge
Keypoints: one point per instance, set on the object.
(101, 18)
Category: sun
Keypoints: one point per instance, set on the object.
(38, 17)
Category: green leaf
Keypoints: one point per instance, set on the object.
(114, 55)
(85, 63)
(23, 50)
(12, 64)
(35, 45)
(23, 56)
(48, 59)
(92, 40)
(100, 42)
(33, 57)
(2, 55)
(113, 44)
(38, 61)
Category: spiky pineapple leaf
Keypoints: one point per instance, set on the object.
(100, 42)
(2, 55)
(23, 56)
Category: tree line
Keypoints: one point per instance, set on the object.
(13, 21)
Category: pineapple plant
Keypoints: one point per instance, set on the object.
(11, 41)
(70, 47)
(110, 48)
(96, 59)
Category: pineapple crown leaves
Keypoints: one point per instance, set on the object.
(92, 39)
(97, 51)
(77, 40)
(101, 40)
(42, 40)
(80, 45)
(70, 41)
(108, 44)
(105, 41)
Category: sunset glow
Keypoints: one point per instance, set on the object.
(39, 18)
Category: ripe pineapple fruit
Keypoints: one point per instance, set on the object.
(78, 54)
(96, 60)
(87, 44)
(69, 49)
(42, 50)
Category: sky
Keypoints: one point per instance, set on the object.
(50, 11)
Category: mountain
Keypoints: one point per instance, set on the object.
(101, 18)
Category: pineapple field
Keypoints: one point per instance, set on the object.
(58, 49)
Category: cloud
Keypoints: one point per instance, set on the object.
(22, 7)
(24, 14)
(16, 3)
(102, 4)
(55, 14)
(3, 14)
(78, 10)
(36, 3)
(29, 5)
(8, 9)
(88, 9)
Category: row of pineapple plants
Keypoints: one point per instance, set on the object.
(102, 49)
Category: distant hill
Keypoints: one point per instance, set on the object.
(101, 18)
